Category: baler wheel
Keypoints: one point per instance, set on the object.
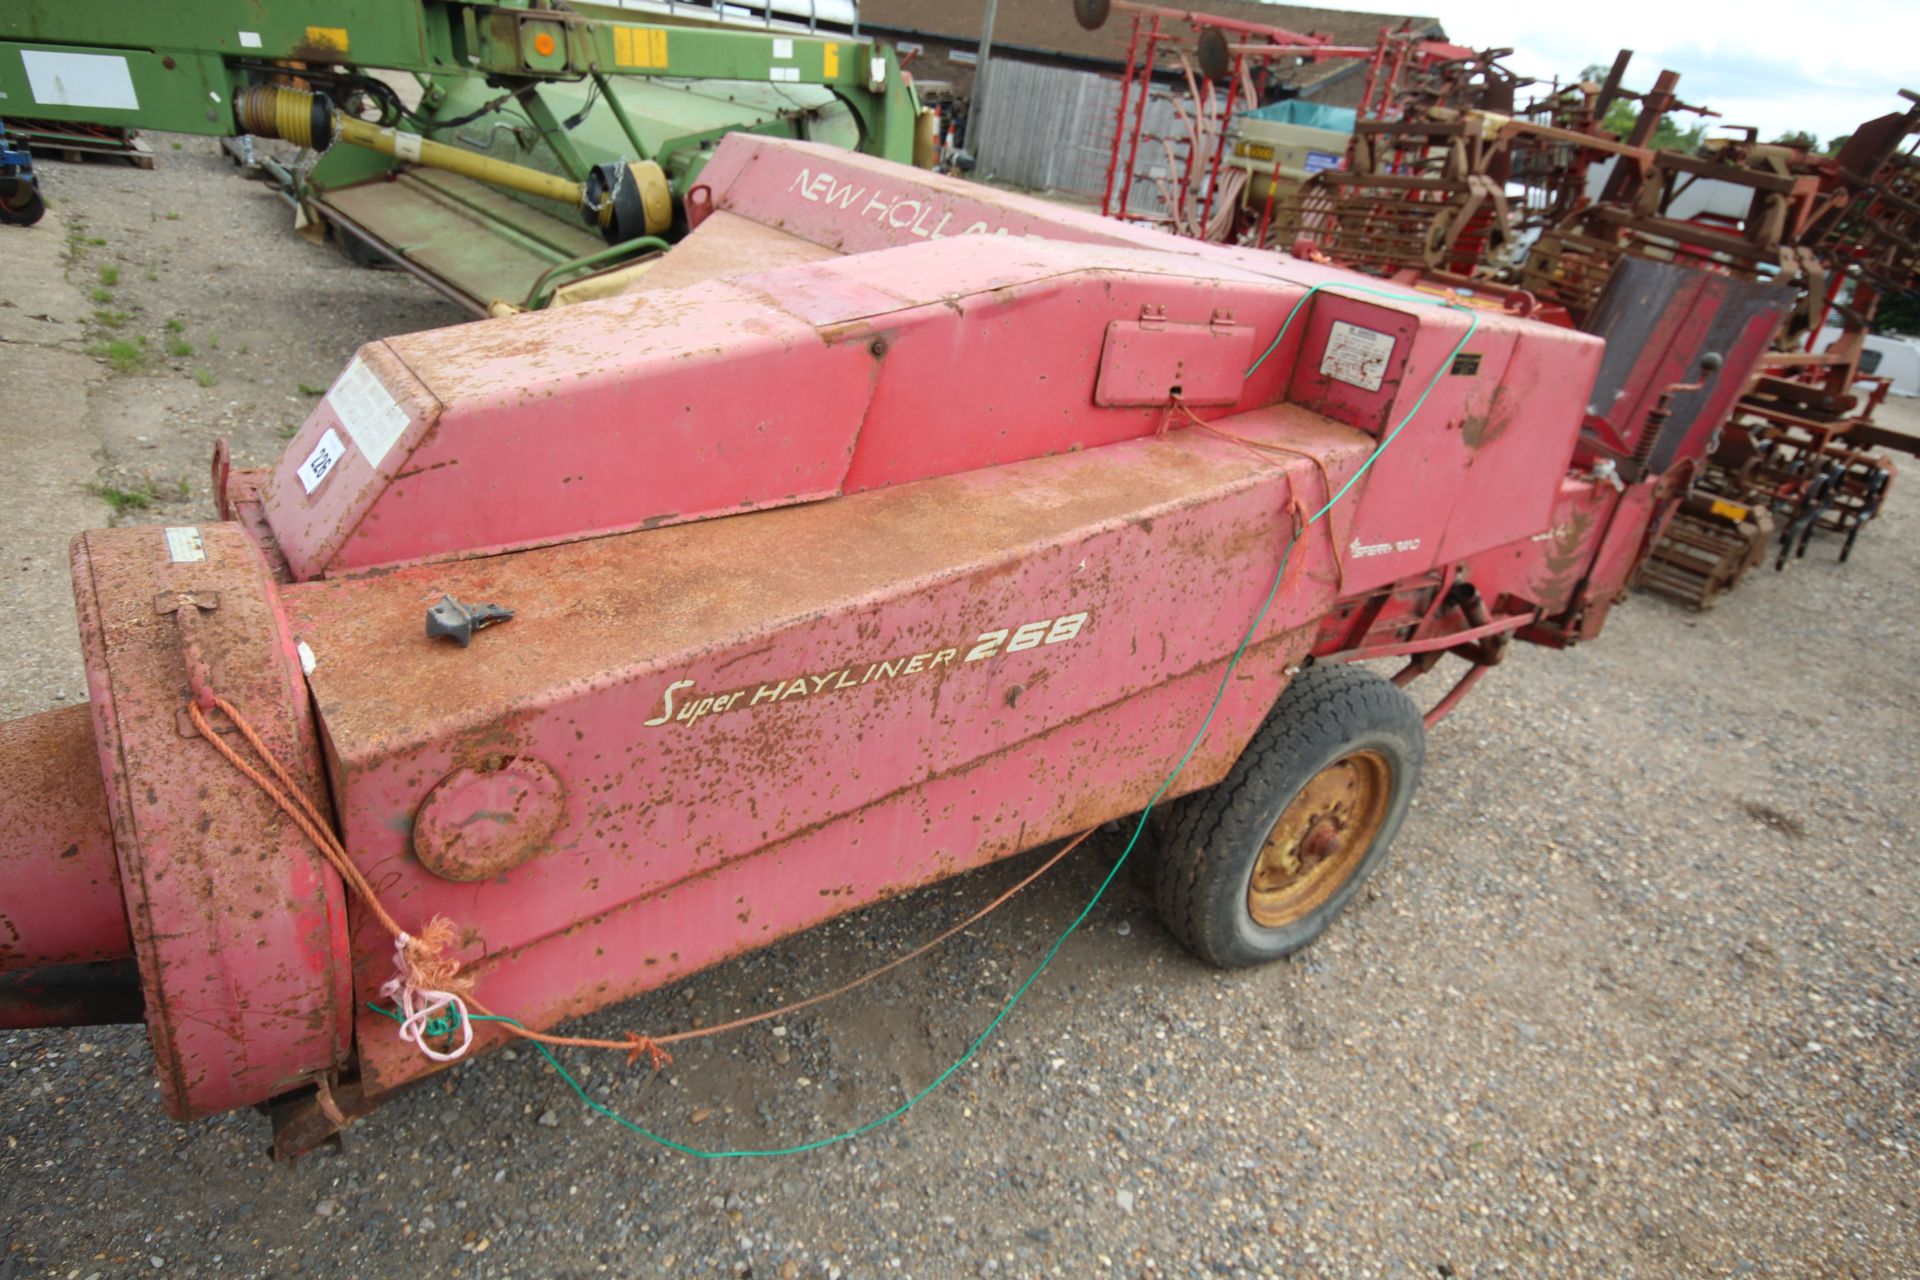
(1258, 866)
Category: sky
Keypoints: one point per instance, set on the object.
(1821, 67)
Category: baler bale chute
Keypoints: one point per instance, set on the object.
(900, 526)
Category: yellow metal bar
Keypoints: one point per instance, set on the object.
(415, 149)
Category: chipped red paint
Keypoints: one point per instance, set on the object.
(831, 576)
(236, 921)
(863, 651)
(489, 816)
(59, 886)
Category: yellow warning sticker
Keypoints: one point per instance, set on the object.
(1729, 510)
(830, 61)
(327, 38)
(639, 47)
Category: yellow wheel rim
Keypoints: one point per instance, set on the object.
(1319, 840)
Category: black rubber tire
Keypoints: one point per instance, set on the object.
(1211, 840)
(359, 252)
(20, 203)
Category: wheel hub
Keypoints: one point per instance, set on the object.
(1320, 839)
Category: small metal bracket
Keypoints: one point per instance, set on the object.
(216, 720)
(172, 601)
(458, 622)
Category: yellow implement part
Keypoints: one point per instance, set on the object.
(307, 119)
(656, 197)
(437, 155)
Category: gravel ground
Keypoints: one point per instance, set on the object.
(1636, 997)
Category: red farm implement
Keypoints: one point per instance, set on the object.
(895, 526)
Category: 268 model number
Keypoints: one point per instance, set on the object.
(1030, 636)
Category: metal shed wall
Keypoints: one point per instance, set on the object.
(1051, 129)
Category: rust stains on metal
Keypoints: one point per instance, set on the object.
(479, 822)
(56, 846)
(237, 924)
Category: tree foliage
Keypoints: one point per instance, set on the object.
(1899, 313)
(1667, 135)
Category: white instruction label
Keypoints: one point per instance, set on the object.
(783, 48)
(325, 457)
(1356, 356)
(784, 74)
(249, 39)
(367, 410)
(184, 545)
(79, 80)
(406, 146)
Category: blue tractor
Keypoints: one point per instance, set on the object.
(20, 202)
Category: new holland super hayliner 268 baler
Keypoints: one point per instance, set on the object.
(896, 525)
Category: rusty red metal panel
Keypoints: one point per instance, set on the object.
(1473, 469)
(1015, 376)
(1658, 320)
(1514, 434)
(333, 471)
(1621, 547)
(1548, 568)
(1358, 350)
(858, 695)
(1153, 361)
(856, 204)
(1060, 781)
(237, 922)
(785, 386)
(585, 420)
(59, 884)
(853, 203)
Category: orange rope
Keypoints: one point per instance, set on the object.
(1339, 568)
(891, 965)
(429, 960)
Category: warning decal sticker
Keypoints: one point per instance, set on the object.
(367, 410)
(1356, 356)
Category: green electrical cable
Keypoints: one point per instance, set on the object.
(1206, 723)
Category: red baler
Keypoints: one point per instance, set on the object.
(898, 526)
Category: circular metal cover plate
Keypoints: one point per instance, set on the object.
(481, 821)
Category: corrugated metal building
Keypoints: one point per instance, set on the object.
(1052, 88)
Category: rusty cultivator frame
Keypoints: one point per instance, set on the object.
(1453, 187)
